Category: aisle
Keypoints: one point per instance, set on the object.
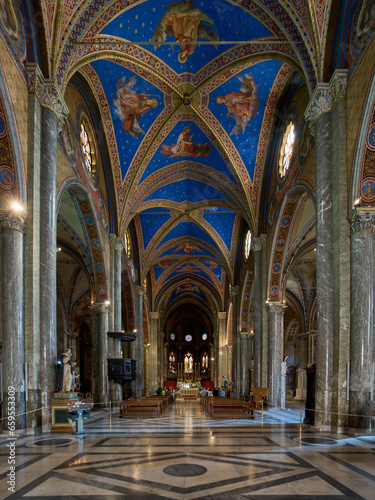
(186, 455)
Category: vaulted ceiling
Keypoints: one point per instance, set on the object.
(188, 94)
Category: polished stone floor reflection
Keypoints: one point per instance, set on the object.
(186, 455)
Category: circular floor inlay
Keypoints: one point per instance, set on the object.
(185, 470)
(53, 442)
(316, 440)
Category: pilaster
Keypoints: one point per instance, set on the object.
(100, 353)
(256, 248)
(139, 293)
(236, 367)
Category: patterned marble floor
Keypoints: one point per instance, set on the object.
(185, 455)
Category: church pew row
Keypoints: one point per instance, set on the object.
(219, 407)
(152, 406)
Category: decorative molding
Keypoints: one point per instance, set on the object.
(276, 307)
(362, 219)
(47, 93)
(320, 103)
(100, 308)
(12, 220)
(338, 85)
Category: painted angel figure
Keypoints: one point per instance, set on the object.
(130, 105)
(242, 105)
(186, 24)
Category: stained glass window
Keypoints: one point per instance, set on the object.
(204, 362)
(86, 148)
(172, 336)
(286, 151)
(188, 338)
(172, 362)
(188, 363)
(204, 336)
(247, 244)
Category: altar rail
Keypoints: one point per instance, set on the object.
(219, 407)
(152, 406)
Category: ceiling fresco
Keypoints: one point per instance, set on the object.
(188, 93)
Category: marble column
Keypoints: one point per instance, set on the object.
(256, 247)
(275, 352)
(153, 358)
(341, 251)
(230, 366)
(100, 313)
(245, 364)
(223, 340)
(304, 346)
(236, 367)
(139, 293)
(12, 315)
(362, 227)
(116, 305)
(264, 346)
(52, 115)
(319, 112)
(215, 375)
(161, 336)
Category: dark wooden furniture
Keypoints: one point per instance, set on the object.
(219, 407)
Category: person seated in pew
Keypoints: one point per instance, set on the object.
(264, 399)
(204, 392)
(216, 391)
(210, 393)
(163, 392)
(158, 391)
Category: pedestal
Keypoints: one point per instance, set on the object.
(59, 406)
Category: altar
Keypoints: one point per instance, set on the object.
(188, 392)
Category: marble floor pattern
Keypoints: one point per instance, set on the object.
(186, 455)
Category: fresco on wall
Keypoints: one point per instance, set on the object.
(130, 106)
(186, 23)
(242, 105)
(6, 178)
(368, 190)
(185, 146)
(8, 18)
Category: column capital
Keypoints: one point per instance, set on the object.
(245, 335)
(153, 315)
(320, 102)
(338, 85)
(47, 92)
(116, 242)
(161, 334)
(256, 244)
(100, 307)
(276, 307)
(215, 335)
(222, 315)
(362, 219)
(139, 290)
(234, 290)
(12, 220)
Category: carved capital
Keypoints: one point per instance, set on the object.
(256, 244)
(245, 335)
(338, 85)
(276, 307)
(321, 102)
(47, 93)
(12, 220)
(263, 239)
(100, 308)
(139, 290)
(362, 219)
(222, 315)
(119, 245)
(234, 290)
(153, 315)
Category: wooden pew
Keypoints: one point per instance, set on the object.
(219, 407)
(152, 406)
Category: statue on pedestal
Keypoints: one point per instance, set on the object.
(64, 375)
